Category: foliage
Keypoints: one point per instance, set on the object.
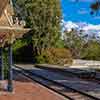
(43, 16)
(95, 6)
(82, 46)
(92, 51)
(5, 63)
(75, 42)
(18, 44)
(59, 44)
(59, 56)
(22, 52)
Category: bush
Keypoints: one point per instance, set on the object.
(5, 62)
(92, 51)
(59, 56)
(22, 52)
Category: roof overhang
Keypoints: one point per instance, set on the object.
(3, 4)
(9, 34)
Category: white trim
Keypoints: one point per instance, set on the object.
(14, 28)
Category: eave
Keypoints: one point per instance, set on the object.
(9, 34)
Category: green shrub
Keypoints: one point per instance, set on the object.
(59, 56)
(22, 52)
(5, 65)
(92, 51)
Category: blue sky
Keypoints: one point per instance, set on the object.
(78, 12)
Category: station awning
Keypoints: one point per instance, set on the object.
(9, 34)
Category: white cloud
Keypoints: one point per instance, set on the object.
(91, 27)
(87, 28)
(81, 25)
(68, 25)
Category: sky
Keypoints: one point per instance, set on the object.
(79, 12)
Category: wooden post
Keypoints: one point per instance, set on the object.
(10, 73)
(1, 64)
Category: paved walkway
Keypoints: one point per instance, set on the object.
(26, 89)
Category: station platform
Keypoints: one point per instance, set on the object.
(26, 89)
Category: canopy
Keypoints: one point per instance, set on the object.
(3, 4)
(8, 31)
(9, 34)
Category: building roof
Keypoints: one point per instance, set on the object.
(9, 32)
(3, 4)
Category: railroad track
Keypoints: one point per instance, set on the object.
(65, 91)
(66, 72)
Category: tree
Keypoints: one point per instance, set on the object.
(95, 6)
(75, 41)
(43, 16)
(82, 46)
(92, 50)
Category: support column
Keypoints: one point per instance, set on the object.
(10, 73)
(1, 64)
